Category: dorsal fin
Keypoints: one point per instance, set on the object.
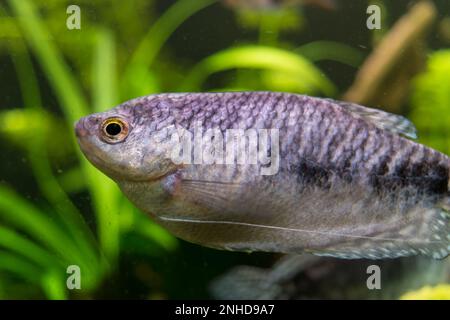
(382, 119)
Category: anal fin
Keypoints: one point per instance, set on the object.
(429, 237)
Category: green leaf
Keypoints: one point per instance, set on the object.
(20, 267)
(22, 215)
(37, 150)
(330, 50)
(58, 73)
(137, 79)
(105, 192)
(292, 65)
(17, 243)
(431, 100)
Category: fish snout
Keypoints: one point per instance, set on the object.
(85, 126)
(80, 130)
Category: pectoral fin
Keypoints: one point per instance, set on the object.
(213, 195)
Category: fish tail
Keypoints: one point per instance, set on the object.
(446, 203)
(439, 246)
(441, 229)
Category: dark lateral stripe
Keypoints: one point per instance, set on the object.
(310, 174)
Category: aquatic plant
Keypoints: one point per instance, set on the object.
(430, 99)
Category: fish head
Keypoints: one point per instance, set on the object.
(125, 142)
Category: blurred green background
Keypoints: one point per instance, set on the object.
(57, 210)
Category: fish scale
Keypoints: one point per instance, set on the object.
(349, 183)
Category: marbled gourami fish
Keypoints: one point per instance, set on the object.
(348, 181)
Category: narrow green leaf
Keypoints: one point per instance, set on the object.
(39, 159)
(58, 73)
(259, 57)
(105, 192)
(12, 241)
(330, 50)
(20, 267)
(157, 35)
(17, 211)
(138, 80)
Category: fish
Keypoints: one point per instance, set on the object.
(306, 175)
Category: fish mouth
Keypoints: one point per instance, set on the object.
(96, 159)
(92, 155)
(148, 180)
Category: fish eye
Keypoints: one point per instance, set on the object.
(114, 130)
